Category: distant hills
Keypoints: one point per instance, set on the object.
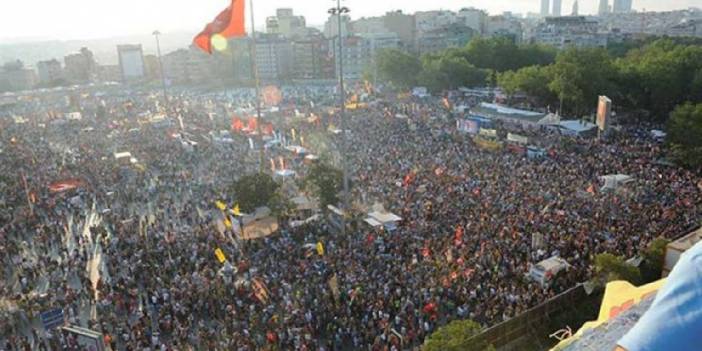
(33, 50)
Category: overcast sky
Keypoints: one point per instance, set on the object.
(87, 19)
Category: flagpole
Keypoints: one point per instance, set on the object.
(254, 68)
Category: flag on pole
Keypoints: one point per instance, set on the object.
(228, 24)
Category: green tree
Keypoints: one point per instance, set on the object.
(397, 67)
(609, 268)
(450, 71)
(325, 182)
(532, 80)
(455, 336)
(684, 135)
(580, 76)
(254, 190)
(653, 256)
(502, 54)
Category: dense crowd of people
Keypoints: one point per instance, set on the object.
(127, 249)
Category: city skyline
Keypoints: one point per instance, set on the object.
(60, 20)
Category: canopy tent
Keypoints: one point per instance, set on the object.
(614, 181)
(303, 203)
(285, 173)
(576, 127)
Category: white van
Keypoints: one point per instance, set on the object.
(544, 271)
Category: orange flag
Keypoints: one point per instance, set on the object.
(229, 24)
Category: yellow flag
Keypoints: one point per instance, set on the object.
(302, 140)
(227, 223)
(320, 248)
(292, 131)
(220, 205)
(236, 211)
(220, 255)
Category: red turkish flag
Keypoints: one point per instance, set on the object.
(229, 24)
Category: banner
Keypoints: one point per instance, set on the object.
(492, 133)
(467, 126)
(516, 138)
(487, 144)
(604, 112)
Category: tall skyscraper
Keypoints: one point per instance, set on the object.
(622, 6)
(556, 8)
(575, 9)
(545, 7)
(604, 7)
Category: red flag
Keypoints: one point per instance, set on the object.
(237, 124)
(65, 185)
(253, 123)
(229, 24)
(268, 129)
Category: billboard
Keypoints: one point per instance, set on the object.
(467, 126)
(604, 112)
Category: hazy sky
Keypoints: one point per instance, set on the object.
(84, 19)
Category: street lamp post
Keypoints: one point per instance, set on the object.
(156, 34)
(339, 11)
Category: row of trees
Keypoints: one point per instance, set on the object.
(647, 78)
(477, 64)
(654, 78)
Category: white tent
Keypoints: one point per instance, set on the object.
(614, 181)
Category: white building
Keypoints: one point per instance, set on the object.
(285, 23)
(545, 8)
(556, 8)
(622, 6)
(131, 62)
(571, 31)
(274, 58)
(503, 26)
(474, 18)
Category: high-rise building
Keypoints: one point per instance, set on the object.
(274, 58)
(331, 26)
(575, 9)
(49, 71)
(474, 18)
(285, 23)
(622, 6)
(403, 25)
(556, 8)
(14, 76)
(131, 62)
(603, 8)
(545, 7)
(80, 67)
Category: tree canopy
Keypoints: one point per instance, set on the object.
(254, 190)
(326, 182)
(397, 67)
(610, 268)
(685, 135)
(455, 336)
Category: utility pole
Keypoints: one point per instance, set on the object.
(339, 11)
(156, 34)
(258, 86)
